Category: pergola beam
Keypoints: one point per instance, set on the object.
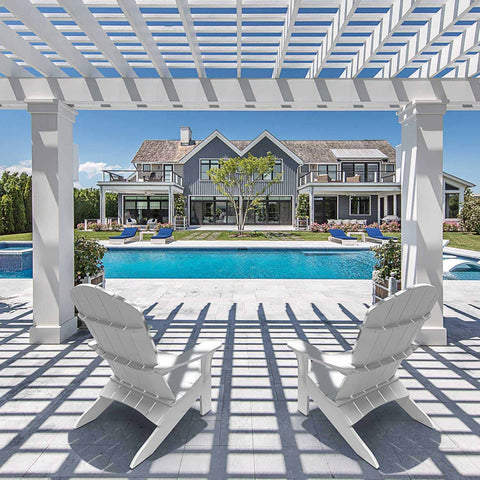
(452, 52)
(443, 20)
(239, 38)
(87, 22)
(140, 27)
(30, 55)
(30, 16)
(241, 94)
(340, 22)
(288, 28)
(9, 68)
(189, 28)
(390, 23)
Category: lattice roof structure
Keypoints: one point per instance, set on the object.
(240, 38)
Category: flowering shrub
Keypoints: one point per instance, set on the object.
(453, 226)
(389, 261)
(354, 227)
(164, 225)
(115, 227)
(88, 256)
(97, 227)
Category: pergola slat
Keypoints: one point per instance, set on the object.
(36, 21)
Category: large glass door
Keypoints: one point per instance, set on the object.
(325, 208)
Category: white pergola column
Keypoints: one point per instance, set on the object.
(52, 185)
(102, 206)
(422, 202)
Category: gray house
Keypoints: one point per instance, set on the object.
(345, 179)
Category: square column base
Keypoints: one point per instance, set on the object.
(432, 336)
(53, 334)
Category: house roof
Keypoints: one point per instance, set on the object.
(309, 151)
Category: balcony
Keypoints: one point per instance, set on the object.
(381, 176)
(138, 176)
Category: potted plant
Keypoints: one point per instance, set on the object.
(386, 277)
(303, 211)
(180, 220)
(88, 261)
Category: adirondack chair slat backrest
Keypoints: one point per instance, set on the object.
(122, 337)
(386, 338)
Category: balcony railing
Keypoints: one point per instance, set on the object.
(383, 176)
(118, 175)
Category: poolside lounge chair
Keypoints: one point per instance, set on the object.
(128, 235)
(376, 235)
(347, 386)
(160, 385)
(164, 235)
(339, 236)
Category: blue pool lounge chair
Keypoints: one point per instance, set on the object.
(164, 235)
(128, 235)
(339, 236)
(375, 235)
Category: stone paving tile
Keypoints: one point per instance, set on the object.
(254, 430)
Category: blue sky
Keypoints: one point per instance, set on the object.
(108, 139)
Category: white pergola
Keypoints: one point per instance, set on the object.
(418, 58)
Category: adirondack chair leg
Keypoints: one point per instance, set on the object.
(206, 398)
(354, 440)
(165, 426)
(100, 405)
(303, 400)
(415, 411)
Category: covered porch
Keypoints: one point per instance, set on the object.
(254, 430)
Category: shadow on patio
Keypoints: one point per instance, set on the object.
(254, 430)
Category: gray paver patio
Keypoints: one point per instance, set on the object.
(254, 430)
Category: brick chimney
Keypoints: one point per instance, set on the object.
(185, 136)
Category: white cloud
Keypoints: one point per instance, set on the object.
(93, 169)
(25, 166)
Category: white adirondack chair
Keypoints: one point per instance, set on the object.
(347, 386)
(160, 385)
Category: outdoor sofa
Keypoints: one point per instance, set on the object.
(128, 235)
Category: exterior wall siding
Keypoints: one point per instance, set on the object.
(217, 149)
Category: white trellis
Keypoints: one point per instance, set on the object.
(417, 57)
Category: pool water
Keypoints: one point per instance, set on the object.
(238, 263)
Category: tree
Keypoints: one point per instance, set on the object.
(470, 212)
(244, 181)
(27, 200)
(8, 220)
(111, 205)
(18, 207)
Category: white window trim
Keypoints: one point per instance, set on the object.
(281, 170)
(359, 214)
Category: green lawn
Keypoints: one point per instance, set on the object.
(467, 241)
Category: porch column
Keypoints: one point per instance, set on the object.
(422, 216)
(52, 186)
(312, 206)
(170, 204)
(102, 206)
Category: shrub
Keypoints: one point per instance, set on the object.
(96, 227)
(303, 206)
(389, 260)
(163, 225)
(88, 256)
(319, 228)
(18, 206)
(179, 202)
(115, 227)
(8, 219)
(453, 226)
(470, 212)
(391, 227)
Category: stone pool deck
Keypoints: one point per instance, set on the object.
(254, 430)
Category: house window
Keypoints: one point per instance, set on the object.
(452, 205)
(205, 165)
(368, 172)
(147, 167)
(167, 172)
(360, 205)
(330, 170)
(277, 170)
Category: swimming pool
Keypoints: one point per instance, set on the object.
(267, 263)
(238, 263)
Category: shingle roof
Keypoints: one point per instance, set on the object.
(310, 151)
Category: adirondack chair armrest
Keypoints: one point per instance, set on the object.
(92, 344)
(303, 349)
(204, 352)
